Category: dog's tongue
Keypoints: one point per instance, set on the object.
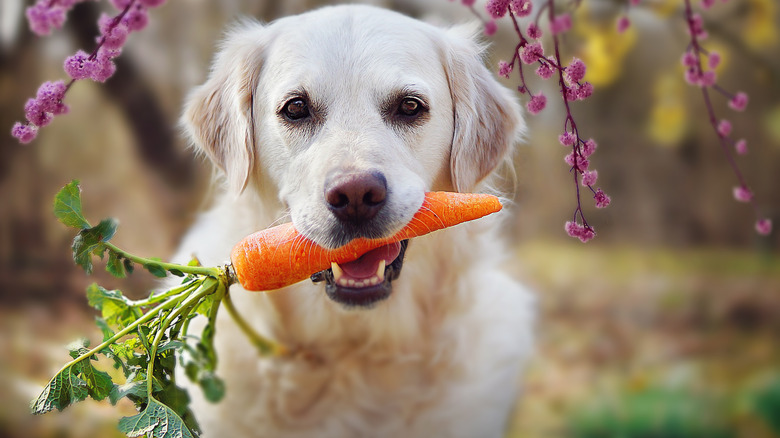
(367, 264)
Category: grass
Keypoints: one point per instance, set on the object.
(631, 339)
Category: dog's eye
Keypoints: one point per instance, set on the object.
(296, 109)
(410, 107)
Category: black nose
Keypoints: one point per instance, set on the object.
(356, 197)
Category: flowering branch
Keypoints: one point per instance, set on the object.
(98, 65)
(706, 80)
(529, 50)
(572, 87)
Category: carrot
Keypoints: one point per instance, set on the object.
(280, 256)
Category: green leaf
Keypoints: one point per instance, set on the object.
(156, 270)
(170, 345)
(99, 383)
(107, 332)
(128, 266)
(134, 390)
(62, 390)
(213, 387)
(90, 241)
(114, 307)
(137, 388)
(176, 272)
(157, 421)
(67, 206)
(78, 347)
(116, 265)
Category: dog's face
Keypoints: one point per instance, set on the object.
(352, 114)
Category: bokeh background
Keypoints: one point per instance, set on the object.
(666, 325)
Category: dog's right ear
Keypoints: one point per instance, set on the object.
(218, 115)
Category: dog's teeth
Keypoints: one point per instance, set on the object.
(374, 281)
(337, 272)
(380, 271)
(351, 282)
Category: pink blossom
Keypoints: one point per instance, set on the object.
(713, 60)
(36, 113)
(50, 96)
(497, 8)
(577, 161)
(575, 71)
(696, 27)
(724, 128)
(534, 32)
(561, 23)
(635, 2)
(708, 78)
(764, 226)
(741, 147)
(78, 66)
(545, 71)
(584, 91)
(531, 53)
(570, 93)
(623, 24)
(24, 133)
(739, 102)
(490, 28)
(742, 194)
(692, 76)
(468, 2)
(567, 138)
(504, 69)
(706, 4)
(42, 17)
(589, 147)
(521, 8)
(114, 33)
(537, 103)
(136, 18)
(689, 59)
(602, 200)
(589, 178)
(579, 231)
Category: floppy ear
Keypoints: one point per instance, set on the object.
(487, 115)
(218, 115)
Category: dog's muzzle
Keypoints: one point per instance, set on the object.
(367, 280)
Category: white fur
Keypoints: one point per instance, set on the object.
(441, 356)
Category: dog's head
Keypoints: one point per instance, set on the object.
(352, 113)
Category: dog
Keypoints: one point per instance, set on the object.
(340, 119)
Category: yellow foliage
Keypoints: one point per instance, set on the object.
(760, 31)
(668, 120)
(665, 8)
(772, 124)
(604, 49)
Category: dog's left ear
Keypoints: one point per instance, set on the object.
(218, 115)
(487, 115)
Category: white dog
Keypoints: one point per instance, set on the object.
(339, 120)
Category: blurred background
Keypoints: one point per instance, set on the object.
(666, 325)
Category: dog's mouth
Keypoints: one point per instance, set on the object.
(367, 280)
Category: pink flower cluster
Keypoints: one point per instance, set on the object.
(573, 87)
(693, 60)
(45, 15)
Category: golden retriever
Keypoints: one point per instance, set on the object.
(340, 119)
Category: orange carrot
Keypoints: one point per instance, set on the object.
(280, 256)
